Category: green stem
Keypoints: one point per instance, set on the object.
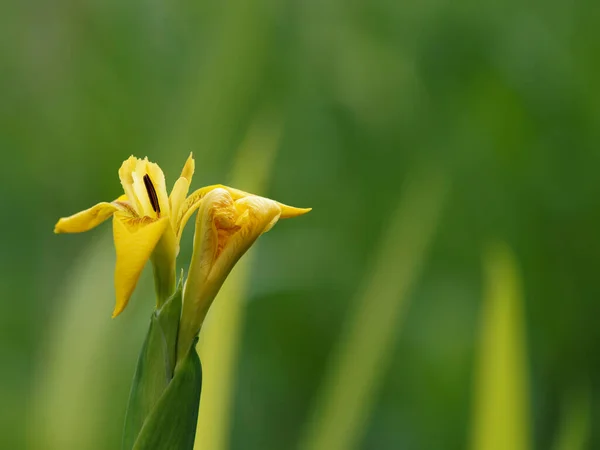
(164, 282)
(194, 311)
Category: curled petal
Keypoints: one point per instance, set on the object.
(215, 209)
(255, 215)
(135, 239)
(216, 213)
(86, 220)
(189, 207)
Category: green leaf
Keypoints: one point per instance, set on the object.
(155, 367)
(501, 414)
(172, 423)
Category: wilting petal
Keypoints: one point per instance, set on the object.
(135, 239)
(86, 220)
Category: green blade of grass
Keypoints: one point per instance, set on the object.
(501, 397)
(362, 356)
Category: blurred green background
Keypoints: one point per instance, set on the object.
(443, 292)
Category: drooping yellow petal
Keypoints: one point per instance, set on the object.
(135, 239)
(86, 220)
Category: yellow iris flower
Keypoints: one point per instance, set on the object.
(147, 224)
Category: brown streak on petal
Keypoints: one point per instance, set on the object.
(152, 194)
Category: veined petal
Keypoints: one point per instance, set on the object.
(135, 239)
(256, 215)
(86, 220)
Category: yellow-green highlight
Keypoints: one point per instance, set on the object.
(221, 332)
(364, 349)
(501, 416)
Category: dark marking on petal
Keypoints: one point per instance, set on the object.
(152, 194)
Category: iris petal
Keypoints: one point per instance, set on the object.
(135, 239)
(86, 220)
